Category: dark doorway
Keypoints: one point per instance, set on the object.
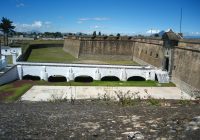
(156, 78)
(30, 77)
(110, 78)
(57, 78)
(136, 78)
(166, 65)
(83, 79)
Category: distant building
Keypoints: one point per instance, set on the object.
(6, 51)
(18, 38)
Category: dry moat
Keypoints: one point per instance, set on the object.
(100, 119)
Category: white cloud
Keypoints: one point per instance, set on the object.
(152, 31)
(84, 19)
(20, 5)
(195, 33)
(96, 27)
(81, 20)
(100, 18)
(36, 25)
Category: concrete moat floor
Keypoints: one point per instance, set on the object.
(98, 119)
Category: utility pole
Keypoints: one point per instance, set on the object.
(181, 21)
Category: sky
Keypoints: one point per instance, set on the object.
(107, 16)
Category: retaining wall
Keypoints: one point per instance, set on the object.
(9, 76)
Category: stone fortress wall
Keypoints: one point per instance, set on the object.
(186, 63)
(181, 59)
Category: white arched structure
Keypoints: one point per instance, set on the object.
(71, 71)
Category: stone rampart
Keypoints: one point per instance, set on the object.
(184, 59)
(72, 46)
(186, 65)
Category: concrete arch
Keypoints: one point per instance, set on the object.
(31, 77)
(136, 78)
(57, 78)
(110, 78)
(83, 78)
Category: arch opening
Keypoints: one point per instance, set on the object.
(156, 77)
(136, 78)
(166, 64)
(110, 78)
(57, 78)
(86, 79)
(31, 77)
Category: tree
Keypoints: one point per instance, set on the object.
(94, 34)
(118, 36)
(99, 33)
(6, 27)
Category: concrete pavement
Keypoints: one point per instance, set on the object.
(48, 93)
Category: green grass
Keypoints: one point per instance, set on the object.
(107, 83)
(56, 54)
(52, 54)
(15, 92)
(46, 42)
(9, 59)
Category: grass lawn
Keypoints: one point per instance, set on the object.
(9, 59)
(13, 91)
(108, 83)
(52, 54)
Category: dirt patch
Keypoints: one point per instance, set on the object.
(96, 119)
(19, 83)
(5, 95)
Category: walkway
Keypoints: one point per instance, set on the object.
(47, 93)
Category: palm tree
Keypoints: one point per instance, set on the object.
(6, 27)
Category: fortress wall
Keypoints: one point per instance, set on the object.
(72, 46)
(185, 57)
(147, 49)
(151, 53)
(115, 49)
(187, 63)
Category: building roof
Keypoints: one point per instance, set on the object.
(170, 35)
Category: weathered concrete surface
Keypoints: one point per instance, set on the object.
(47, 93)
(98, 120)
(187, 63)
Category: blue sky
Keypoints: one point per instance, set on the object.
(107, 16)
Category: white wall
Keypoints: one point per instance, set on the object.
(51, 69)
(11, 51)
